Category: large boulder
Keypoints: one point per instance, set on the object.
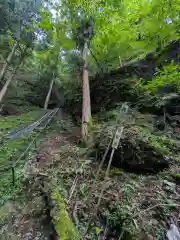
(139, 150)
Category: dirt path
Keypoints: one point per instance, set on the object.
(132, 204)
(26, 218)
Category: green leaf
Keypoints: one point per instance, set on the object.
(98, 230)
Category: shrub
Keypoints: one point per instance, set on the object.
(169, 75)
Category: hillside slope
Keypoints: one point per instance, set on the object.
(135, 204)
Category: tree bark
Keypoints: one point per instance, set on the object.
(8, 60)
(49, 94)
(86, 103)
(7, 83)
(18, 66)
(120, 62)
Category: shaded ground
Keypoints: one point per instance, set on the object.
(133, 206)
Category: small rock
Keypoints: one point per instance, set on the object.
(154, 221)
(150, 237)
(169, 186)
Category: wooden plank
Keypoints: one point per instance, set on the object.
(117, 137)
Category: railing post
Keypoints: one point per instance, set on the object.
(12, 170)
(13, 175)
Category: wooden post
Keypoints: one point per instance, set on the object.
(35, 144)
(13, 176)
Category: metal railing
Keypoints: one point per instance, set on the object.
(46, 119)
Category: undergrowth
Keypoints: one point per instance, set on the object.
(169, 72)
(8, 191)
(125, 209)
(11, 149)
(163, 144)
(10, 123)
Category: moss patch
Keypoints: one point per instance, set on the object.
(63, 225)
(163, 144)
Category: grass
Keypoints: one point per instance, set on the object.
(163, 144)
(7, 190)
(10, 148)
(10, 123)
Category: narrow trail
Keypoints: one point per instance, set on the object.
(60, 164)
(28, 220)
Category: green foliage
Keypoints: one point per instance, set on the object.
(136, 27)
(10, 149)
(132, 27)
(116, 172)
(112, 115)
(120, 216)
(122, 29)
(177, 176)
(7, 190)
(163, 145)
(17, 18)
(169, 75)
(63, 225)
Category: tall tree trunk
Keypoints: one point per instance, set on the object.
(86, 103)
(8, 60)
(7, 83)
(49, 94)
(18, 66)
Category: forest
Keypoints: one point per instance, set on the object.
(89, 119)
